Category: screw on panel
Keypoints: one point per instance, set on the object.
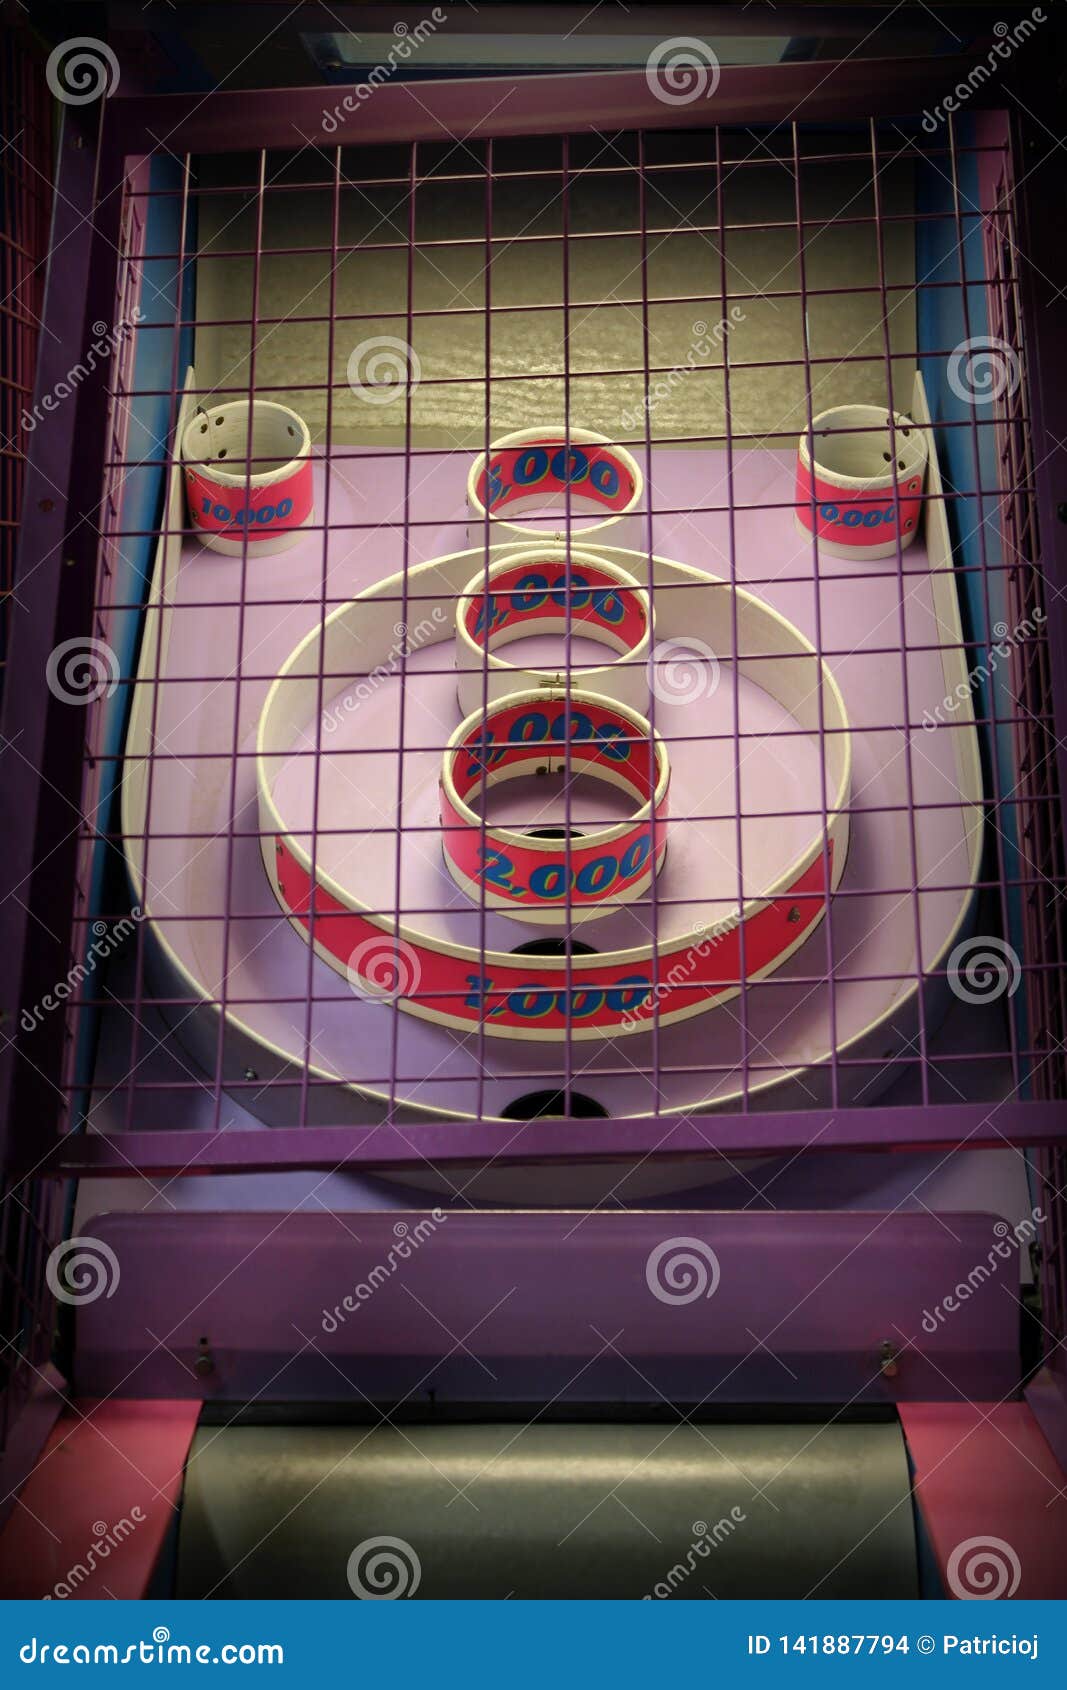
(205, 1361)
(887, 1360)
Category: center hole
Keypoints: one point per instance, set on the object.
(554, 947)
(537, 1105)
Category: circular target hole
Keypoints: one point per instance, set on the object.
(222, 451)
(554, 947)
(536, 1105)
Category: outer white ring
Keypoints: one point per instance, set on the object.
(621, 526)
(483, 677)
(708, 608)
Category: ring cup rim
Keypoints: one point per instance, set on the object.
(554, 435)
(212, 470)
(876, 421)
(556, 847)
(481, 657)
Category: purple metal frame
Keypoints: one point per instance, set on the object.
(30, 1217)
(55, 592)
(1044, 447)
(548, 105)
(281, 1307)
(60, 595)
(466, 1145)
(47, 599)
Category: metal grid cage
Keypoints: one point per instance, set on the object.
(929, 273)
(656, 178)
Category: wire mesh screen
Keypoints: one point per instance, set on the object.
(769, 825)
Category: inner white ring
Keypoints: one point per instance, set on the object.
(280, 441)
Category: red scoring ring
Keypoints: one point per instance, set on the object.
(546, 879)
(593, 473)
(535, 997)
(257, 514)
(860, 517)
(583, 594)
